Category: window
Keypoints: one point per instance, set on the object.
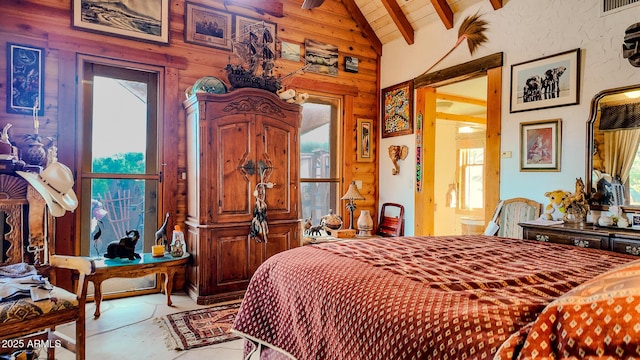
(471, 167)
(119, 175)
(319, 157)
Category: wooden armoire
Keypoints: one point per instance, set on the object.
(235, 141)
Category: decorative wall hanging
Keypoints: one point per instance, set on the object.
(631, 44)
(139, 20)
(472, 29)
(207, 26)
(290, 51)
(546, 82)
(25, 79)
(397, 153)
(397, 109)
(365, 127)
(351, 64)
(419, 152)
(540, 145)
(322, 58)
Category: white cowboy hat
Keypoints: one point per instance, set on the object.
(55, 184)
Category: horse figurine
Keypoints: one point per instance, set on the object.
(577, 204)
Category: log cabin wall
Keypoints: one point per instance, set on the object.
(48, 24)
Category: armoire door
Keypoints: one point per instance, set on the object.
(235, 168)
(277, 149)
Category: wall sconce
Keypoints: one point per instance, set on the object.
(352, 194)
(397, 153)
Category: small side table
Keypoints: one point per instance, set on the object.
(125, 268)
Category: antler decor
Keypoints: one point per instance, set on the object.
(472, 29)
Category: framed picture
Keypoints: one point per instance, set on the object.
(243, 25)
(25, 79)
(290, 51)
(397, 109)
(140, 20)
(635, 220)
(321, 58)
(363, 147)
(351, 64)
(540, 145)
(546, 82)
(207, 26)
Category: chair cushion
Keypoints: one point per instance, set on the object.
(25, 308)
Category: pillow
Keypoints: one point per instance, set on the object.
(600, 318)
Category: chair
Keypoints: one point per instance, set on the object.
(23, 319)
(514, 211)
(389, 226)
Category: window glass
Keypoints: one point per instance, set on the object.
(319, 165)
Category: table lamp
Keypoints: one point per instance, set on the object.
(352, 194)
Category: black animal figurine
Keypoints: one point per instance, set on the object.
(161, 234)
(125, 248)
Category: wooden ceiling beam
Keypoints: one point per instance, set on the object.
(362, 22)
(271, 7)
(497, 4)
(403, 24)
(444, 11)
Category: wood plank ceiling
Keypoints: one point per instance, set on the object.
(391, 19)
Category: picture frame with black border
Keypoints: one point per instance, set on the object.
(351, 64)
(25, 79)
(546, 82)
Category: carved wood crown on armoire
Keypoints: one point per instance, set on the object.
(235, 141)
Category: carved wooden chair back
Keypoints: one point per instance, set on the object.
(37, 317)
(391, 225)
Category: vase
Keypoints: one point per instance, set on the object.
(36, 154)
(365, 223)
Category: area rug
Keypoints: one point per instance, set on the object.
(201, 327)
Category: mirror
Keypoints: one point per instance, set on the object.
(612, 159)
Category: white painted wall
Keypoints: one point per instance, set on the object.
(522, 30)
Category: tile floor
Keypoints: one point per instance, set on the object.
(126, 330)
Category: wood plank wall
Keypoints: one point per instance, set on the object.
(47, 24)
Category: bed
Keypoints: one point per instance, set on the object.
(445, 297)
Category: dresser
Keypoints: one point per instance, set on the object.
(234, 142)
(625, 240)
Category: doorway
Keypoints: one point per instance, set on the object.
(119, 176)
(430, 199)
(460, 128)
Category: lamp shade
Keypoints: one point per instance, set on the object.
(352, 193)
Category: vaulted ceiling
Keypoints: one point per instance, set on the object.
(386, 20)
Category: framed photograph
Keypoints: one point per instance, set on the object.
(290, 51)
(321, 58)
(140, 20)
(244, 25)
(363, 147)
(207, 26)
(397, 109)
(635, 220)
(351, 64)
(540, 145)
(546, 82)
(25, 79)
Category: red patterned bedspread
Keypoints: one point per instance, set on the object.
(447, 297)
